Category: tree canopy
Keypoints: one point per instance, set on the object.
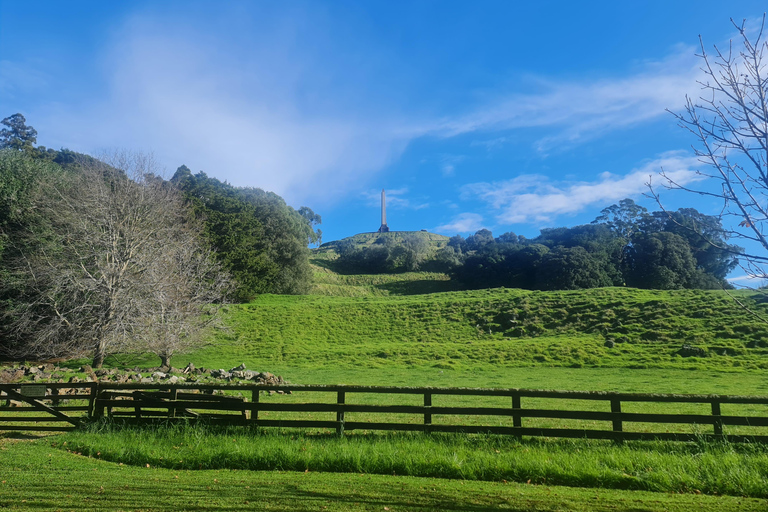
(257, 237)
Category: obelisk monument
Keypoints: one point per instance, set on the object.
(384, 228)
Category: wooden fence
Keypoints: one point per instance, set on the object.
(519, 412)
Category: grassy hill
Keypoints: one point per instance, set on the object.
(501, 328)
(329, 281)
(367, 239)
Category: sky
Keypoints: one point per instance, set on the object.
(503, 115)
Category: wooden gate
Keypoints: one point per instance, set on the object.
(45, 407)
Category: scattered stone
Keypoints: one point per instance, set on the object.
(238, 368)
(189, 368)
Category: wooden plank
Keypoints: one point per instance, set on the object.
(574, 395)
(37, 428)
(31, 419)
(37, 404)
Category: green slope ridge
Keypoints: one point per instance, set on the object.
(501, 328)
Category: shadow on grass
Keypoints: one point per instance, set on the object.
(420, 287)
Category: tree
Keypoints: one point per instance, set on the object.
(17, 135)
(480, 239)
(257, 237)
(729, 123)
(623, 218)
(571, 268)
(661, 261)
(114, 263)
(313, 236)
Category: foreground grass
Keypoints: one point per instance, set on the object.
(501, 329)
(739, 470)
(33, 476)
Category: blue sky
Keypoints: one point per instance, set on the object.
(487, 114)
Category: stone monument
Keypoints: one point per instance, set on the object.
(384, 228)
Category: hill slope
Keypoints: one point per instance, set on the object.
(605, 327)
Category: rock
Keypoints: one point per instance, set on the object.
(609, 343)
(221, 374)
(189, 368)
(146, 380)
(10, 376)
(32, 370)
(159, 375)
(238, 368)
(86, 369)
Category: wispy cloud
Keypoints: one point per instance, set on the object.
(396, 199)
(581, 110)
(535, 198)
(462, 223)
(269, 110)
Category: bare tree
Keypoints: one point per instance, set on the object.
(122, 265)
(729, 122)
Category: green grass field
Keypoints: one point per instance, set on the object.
(495, 331)
(35, 476)
(384, 330)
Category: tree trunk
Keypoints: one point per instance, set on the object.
(98, 357)
(165, 360)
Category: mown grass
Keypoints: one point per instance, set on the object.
(717, 468)
(33, 476)
(499, 329)
(486, 338)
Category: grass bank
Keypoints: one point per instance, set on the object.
(499, 329)
(710, 468)
(33, 476)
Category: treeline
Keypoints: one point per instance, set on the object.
(102, 256)
(625, 246)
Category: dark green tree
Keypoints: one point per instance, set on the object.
(661, 261)
(314, 236)
(258, 238)
(571, 268)
(16, 134)
(623, 219)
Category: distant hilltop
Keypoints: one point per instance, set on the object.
(362, 240)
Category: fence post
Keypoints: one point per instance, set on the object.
(173, 394)
(340, 414)
(617, 424)
(718, 424)
(427, 415)
(92, 412)
(517, 419)
(255, 407)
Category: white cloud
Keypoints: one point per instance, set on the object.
(261, 116)
(462, 223)
(581, 110)
(278, 114)
(534, 198)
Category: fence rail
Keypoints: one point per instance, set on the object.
(522, 412)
